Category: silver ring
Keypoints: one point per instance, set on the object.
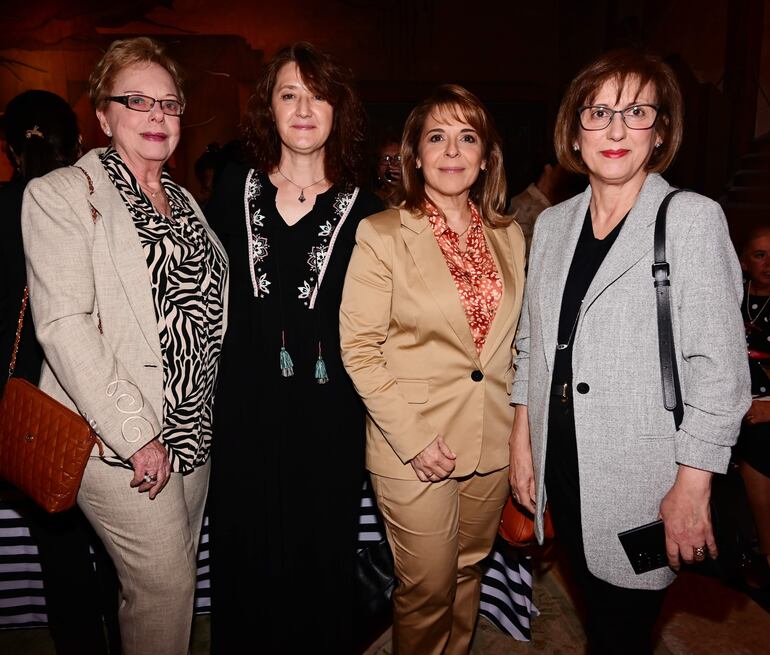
(700, 552)
(150, 477)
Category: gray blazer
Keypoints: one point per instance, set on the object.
(92, 303)
(628, 448)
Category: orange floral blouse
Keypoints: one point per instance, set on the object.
(473, 271)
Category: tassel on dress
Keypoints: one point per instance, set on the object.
(321, 376)
(284, 359)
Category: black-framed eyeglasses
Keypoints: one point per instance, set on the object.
(138, 102)
(391, 160)
(636, 117)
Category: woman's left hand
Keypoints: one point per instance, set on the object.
(687, 518)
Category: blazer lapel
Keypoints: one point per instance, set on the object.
(500, 246)
(635, 240)
(429, 260)
(126, 251)
(556, 258)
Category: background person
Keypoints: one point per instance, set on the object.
(288, 467)
(430, 305)
(753, 447)
(591, 434)
(41, 134)
(128, 289)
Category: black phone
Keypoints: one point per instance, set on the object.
(645, 546)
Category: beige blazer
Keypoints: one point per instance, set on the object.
(91, 299)
(407, 346)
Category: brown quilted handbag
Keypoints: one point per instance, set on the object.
(44, 446)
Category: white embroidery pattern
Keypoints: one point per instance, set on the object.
(259, 248)
(258, 244)
(129, 401)
(326, 229)
(304, 290)
(315, 258)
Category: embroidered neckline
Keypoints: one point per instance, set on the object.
(320, 253)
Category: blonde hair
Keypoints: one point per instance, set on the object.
(126, 52)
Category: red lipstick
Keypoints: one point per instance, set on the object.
(615, 154)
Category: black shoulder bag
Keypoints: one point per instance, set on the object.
(733, 528)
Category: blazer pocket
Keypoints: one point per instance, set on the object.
(415, 391)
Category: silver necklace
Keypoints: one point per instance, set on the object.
(152, 194)
(761, 309)
(562, 346)
(301, 197)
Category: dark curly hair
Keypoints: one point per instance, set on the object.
(345, 147)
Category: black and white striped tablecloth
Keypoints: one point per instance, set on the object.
(506, 589)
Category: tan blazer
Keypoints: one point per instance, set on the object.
(92, 303)
(407, 346)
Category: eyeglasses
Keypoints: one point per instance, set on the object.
(137, 102)
(636, 117)
(389, 160)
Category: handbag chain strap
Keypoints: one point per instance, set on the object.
(17, 340)
(669, 372)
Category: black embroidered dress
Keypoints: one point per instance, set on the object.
(288, 456)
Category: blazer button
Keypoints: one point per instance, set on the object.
(477, 376)
(582, 387)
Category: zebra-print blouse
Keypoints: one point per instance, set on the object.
(187, 272)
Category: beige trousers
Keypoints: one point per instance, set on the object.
(439, 533)
(153, 544)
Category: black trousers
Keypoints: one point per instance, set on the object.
(618, 620)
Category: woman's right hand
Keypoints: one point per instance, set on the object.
(435, 462)
(521, 474)
(151, 460)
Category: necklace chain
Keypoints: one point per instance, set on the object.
(301, 196)
(761, 309)
(563, 346)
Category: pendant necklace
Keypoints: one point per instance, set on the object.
(762, 309)
(301, 196)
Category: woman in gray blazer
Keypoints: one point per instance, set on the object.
(591, 435)
(128, 289)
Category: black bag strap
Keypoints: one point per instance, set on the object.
(669, 373)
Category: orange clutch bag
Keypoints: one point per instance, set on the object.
(517, 525)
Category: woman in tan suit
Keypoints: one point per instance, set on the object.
(128, 289)
(430, 305)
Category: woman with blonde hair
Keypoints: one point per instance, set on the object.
(128, 289)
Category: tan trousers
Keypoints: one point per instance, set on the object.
(439, 533)
(153, 544)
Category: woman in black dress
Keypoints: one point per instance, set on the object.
(753, 446)
(288, 465)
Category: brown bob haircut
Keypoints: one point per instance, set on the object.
(345, 147)
(127, 52)
(489, 190)
(625, 67)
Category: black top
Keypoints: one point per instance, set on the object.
(589, 255)
(13, 278)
